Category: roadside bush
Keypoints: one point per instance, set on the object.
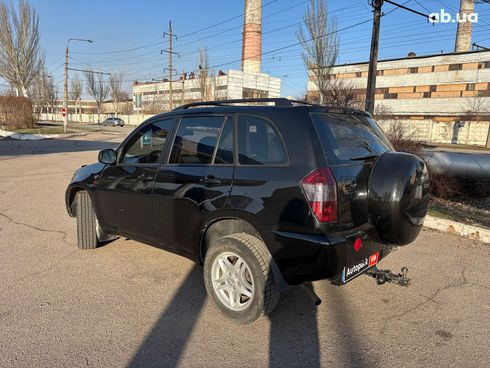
(402, 140)
(16, 112)
(445, 187)
(475, 188)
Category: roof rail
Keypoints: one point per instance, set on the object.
(280, 101)
(283, 102)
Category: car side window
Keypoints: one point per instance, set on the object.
(196, 140)
(259, 142)
(146, 146)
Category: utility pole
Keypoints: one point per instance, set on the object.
(170, 52)
(183, 87)
(65, 90)
(373, 56)
(65, 84)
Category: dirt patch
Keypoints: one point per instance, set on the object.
(43, 130)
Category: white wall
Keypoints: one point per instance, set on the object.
(134, 119)
(427, 130)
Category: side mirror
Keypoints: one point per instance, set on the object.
(107, 156)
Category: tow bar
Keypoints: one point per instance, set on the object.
(384, 276)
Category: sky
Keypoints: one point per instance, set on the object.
(128, 35)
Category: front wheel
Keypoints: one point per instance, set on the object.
(238, 277)
(86, 221)
(89, 233)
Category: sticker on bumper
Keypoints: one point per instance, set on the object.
(350, 272)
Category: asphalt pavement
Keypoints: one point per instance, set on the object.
(127, 304)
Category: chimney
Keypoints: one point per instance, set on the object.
(252, 37)
(463, 35)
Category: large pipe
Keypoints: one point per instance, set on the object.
(465, 165)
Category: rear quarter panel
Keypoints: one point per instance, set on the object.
(274, 196)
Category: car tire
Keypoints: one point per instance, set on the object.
(86, 221)
(249, 264)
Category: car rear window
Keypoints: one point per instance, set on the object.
(347, 137)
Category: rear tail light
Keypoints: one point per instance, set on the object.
(321, 193)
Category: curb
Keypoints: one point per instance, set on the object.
(35, 137)
(457, 228)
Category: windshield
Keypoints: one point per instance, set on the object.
(350, 137)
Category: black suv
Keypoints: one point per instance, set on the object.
(264, 196)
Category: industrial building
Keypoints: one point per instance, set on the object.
(441, 98)
(248, 82)
(440, 84)
(234, 84)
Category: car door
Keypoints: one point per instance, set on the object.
(124, 191)
(196, 181)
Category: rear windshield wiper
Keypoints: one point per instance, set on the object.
(363, 157)
(364, 143)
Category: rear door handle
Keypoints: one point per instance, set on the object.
(145, 178)
(210, 181)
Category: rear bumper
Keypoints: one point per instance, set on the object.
(308, 257)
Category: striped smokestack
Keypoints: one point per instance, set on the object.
(463, 35)
(252, 37)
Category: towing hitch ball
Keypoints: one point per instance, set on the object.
(384, 276)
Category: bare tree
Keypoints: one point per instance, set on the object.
(155, 105)
(21, 57)
(318, 36)
(342, 93)
(76, 95)
(41, 91)
(117, 94)
(402, 139)
(476, 108)
(8, 90)
(97, 88)
(382, 111)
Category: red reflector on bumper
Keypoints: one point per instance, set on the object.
(357, 244)
(373, 259)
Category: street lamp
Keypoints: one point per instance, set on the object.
(65, 94)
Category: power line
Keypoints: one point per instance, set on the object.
(54, 62)
(340, 30)
(402, 6)
(212, 35)
(226, 43)
(427, 10)
(151, 44)
(158, 40)
(228, 20)
(290, 45)
(268, 16)
(88, 71)
(282, 48)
